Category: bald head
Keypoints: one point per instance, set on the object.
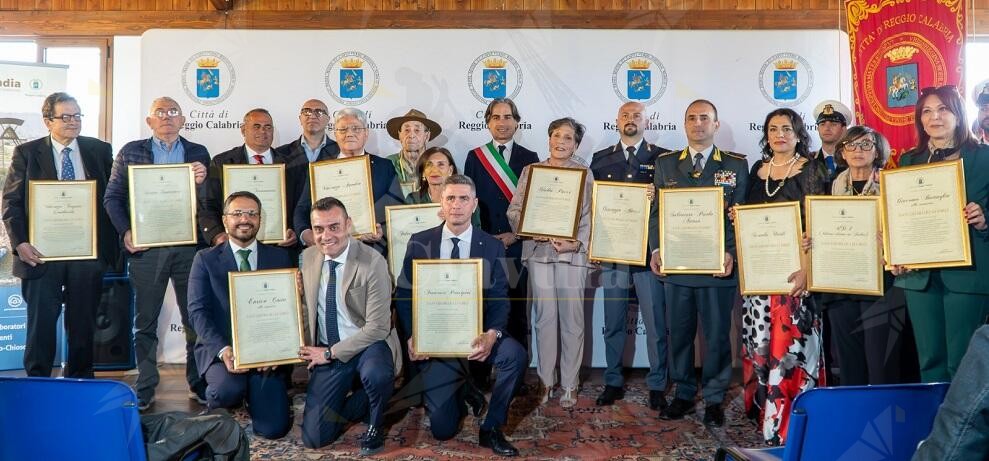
(632, 121)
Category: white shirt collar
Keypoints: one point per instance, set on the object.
(251, 153)
(706, 152)
(636, 145)
(464, 236)
(252, 256)
(74, 145)
(343, 155)
(342, 257)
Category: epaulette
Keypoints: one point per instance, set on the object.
(733, 154)
(664, 154)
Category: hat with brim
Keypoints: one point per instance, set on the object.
(395, 125)
(833, 111)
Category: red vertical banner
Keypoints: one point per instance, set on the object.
(899, 47)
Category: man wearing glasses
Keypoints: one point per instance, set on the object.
(152, 268)
(65, 156)
(258, 131)
(350, 127)
(314, 145)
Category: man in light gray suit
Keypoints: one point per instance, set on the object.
(347, 294)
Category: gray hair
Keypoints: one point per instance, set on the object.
(163, 99)
(350, 112)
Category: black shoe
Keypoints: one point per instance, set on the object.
(495, 440)
(522, 390)
(373, 441)
(657, 401)
(678, 409)
(475, 399)
(714, 416)
(609, 395)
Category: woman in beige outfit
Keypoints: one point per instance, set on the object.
(558, 273)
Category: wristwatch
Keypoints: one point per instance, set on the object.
(327, 355)
(498, 334)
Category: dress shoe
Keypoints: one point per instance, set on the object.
(373, 441)
(657, 401)
(678, 409)
(609, 395)
(714, 416)
(143, 405)
(475, 399)
(495, 440)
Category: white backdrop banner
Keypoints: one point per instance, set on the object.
(217, 76)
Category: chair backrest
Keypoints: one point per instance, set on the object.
(44, 418)
(862, 422)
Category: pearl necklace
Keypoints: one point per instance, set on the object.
(769, 175)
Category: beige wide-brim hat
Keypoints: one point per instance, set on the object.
(395, 125)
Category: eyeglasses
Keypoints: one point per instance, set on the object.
(308, 112)
(862, 145)
(66, 118)
(350, 129)
(243, 213)
(164, 113)
(934, 89)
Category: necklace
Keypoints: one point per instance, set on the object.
(769, 175)
(792, 159)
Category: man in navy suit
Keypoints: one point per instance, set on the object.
(350, 126)
(258, 130)
(631, 160)
(66, 156)
(209, 312)
(312, 146)
(495, 168)
(442, 380)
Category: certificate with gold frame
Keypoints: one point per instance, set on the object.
(266, 318)
(267, 182)
(401, 222)
(162, 204)
(767, 241)
(62, 219)
(552, 204)
(348, 180)
(923, 216)
(692, 230)
(845, 255)
(619, 222)
(447, 306)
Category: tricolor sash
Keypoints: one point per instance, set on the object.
(498, 169)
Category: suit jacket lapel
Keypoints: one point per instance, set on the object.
(515, 162)
(87, 158)
(476, 246)
(312, 268)
(46, 159)
(435, 240)
(349, 268)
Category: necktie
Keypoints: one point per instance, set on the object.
(259, 159)
(455, 253)
(631, 153)
(330, 304)
(68, 171)
(501, 152)
(698, 166)
(245, 264)
(829, 161)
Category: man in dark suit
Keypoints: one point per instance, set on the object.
(701, 164)
(314, 145)
(209, 312)
(150, 269)
(442, 380)
(833, 119)
(258, 131)
(350, 126)
(495, 168)
(631, 160)
(66, 156)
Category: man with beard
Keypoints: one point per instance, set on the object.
(631, 160)
(413, 130)
(833, 119)
(209, 312)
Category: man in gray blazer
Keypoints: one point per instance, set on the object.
(347, 294)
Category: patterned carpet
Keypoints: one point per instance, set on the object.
(626, 430)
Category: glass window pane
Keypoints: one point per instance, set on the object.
(83, 81)
(18, 51)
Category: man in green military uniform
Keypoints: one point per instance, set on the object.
(701, 164)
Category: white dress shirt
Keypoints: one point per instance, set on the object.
(446, 245)
(345, 326)
(74, 155)
(253, 161)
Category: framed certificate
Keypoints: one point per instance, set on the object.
(403, 221)
(266, 318)
(62, 219)
(348, 180)
(162, 205)
(267, 182)
(845, 256)
(923, 211)
(447, 309)
(767, 240)
(692, 230)
(553, 198)
(619, 222)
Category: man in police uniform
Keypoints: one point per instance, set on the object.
(833, 119)
(701, 164)
(631, 160)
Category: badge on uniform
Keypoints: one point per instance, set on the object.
(724, 178)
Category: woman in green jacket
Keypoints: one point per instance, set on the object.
(433, 167)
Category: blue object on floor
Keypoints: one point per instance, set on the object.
(854, 423)
(49, 419)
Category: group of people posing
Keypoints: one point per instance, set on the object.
(358, 322)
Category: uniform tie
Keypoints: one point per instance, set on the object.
(698, 166)
(829, 161)
(455, 253)
(68, 171)
(631, 153)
